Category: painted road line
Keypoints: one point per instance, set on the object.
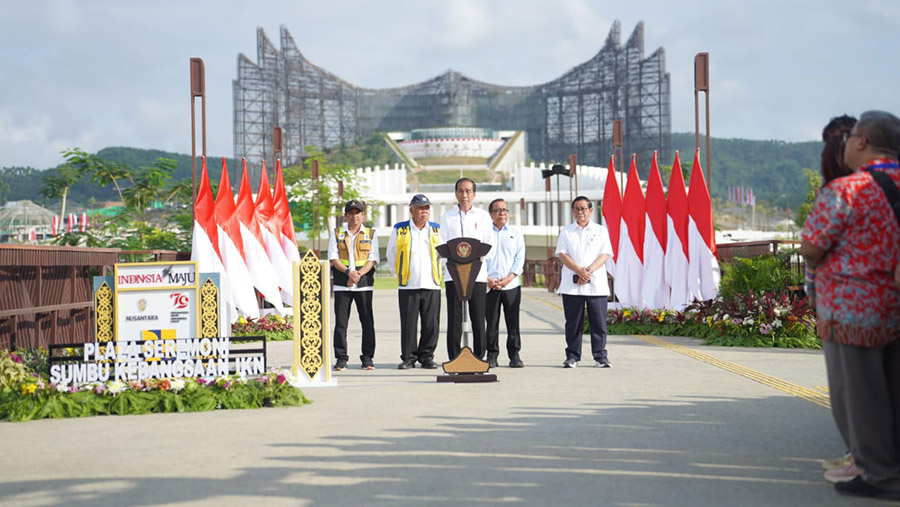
(811, 395)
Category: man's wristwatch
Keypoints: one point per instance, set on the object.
(347, 272)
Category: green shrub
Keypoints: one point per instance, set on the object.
(759, 275)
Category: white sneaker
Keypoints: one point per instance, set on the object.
(570, 363)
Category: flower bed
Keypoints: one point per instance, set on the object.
(750, 320)
(274, 327)
(26, 394)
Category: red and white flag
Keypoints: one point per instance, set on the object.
(654, 290)
(70, 223)
(264, 276)
(231, 248)
(612, 214)
(677, 239)
(205, 238)
(54, 227)
(83, 223)
(271, 233)
(283, 218)
(629, 265)
(703, 266)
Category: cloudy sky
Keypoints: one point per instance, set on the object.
(99, 73)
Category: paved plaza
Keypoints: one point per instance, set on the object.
(673, 422)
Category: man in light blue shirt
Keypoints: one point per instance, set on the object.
(504, 288)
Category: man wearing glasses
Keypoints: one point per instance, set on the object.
(504, 289)
(584, 247)
(465, 220)
(412, 257)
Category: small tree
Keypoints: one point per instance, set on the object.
(813, 183)
(58, 182)
(302, 189)
(102, 172)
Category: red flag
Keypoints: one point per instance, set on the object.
(656, 203)
(677, 249)
(703, 268)
(271, 232)
(629, 265)
(282, 207)
(612, 208)
(264, 276)
(245, 210)
(654, 289)
(633, 210)
(205, 209)
(700, 205)
(231, 247)
(226, 212)
(677, 206)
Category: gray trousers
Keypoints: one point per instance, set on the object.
(864, 385)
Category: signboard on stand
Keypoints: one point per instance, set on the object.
(157, 300)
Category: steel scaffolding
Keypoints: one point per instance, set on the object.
(571, 114)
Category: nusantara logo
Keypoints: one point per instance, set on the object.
(179, 301)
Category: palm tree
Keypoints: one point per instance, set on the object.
(57, 183)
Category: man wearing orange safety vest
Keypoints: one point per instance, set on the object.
(353, 254)
(411, 255)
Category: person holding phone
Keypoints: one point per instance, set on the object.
(584, 247)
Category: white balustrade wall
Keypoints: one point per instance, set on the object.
(427, 148)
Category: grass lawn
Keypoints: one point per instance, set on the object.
(386, 283)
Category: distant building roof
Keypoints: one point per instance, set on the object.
(24, 214)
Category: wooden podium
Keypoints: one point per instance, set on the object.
(464, 262)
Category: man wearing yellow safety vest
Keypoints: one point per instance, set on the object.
(411, 255)
(353, 254)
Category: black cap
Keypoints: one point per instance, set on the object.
(354, 204)
(420, 200)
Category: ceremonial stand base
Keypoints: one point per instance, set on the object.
(467, 377)
(467, 368)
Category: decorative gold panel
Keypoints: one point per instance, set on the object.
(312, 352)
(209, 310)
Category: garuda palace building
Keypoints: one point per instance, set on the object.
(572, 114)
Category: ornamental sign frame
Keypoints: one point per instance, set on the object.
(166, 293)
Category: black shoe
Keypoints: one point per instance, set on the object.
(516, 363)
(407, 365)
(492, 362)
(859, 487)
(367, 363)
(340, 365)
(428, 364)
(570, 363)
(602, 363)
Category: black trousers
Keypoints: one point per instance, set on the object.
(363, 300)
(573, 306)
(509, 300)
(455, 315)
(413, 304)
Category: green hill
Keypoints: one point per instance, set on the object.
(773, 169)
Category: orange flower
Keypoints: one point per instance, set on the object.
(164, 385)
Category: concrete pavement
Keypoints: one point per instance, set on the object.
(672, 423)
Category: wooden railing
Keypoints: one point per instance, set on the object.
(46, 292)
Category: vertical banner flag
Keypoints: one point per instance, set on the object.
(231, 248)
(205, 237)
(612, 213)
(264, 277)
(654, 290)
(703, 266)
(84, 221)
(54, 227)
(677, 239)
(283, 218)
(265, 215)
(629, 265)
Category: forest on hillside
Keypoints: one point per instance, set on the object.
(773, 169)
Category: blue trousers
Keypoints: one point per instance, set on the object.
(573, 306)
